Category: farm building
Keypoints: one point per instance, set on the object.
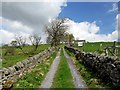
(80, 42)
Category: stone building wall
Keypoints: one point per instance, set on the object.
(11, 74)
(105, 67)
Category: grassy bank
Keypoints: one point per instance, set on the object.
(90, 78)
(63, 77)
(9, 60)
(36, 76)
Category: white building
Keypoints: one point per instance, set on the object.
(80, 43)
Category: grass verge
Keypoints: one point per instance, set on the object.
(91, 80)
(35, 77)
(63, 77)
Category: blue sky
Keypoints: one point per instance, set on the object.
(118, 7)
(90, 12)
(90, 21)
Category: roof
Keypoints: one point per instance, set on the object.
(79, 40)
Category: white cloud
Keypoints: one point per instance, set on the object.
(34, 14)
(5, 36)
(89, 31)
(30, 17)
(117, 16)
(11, 28)
(15, 26)
(118, 25)
(114, 8)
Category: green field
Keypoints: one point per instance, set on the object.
(92, 47)
(63, 77)
(9, 59)
(95, 47)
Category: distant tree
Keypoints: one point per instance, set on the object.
(69, 38)
(56, 30)
(21, 42)
(14, 43)
(35, 40)
(5, 45)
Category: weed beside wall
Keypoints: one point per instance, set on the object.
(107, 68)
(11, 74)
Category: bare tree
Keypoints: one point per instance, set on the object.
(35, 40)
(55, 31)
(21, 42)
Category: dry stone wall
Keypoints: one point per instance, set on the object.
(106, 68)
(11, 74)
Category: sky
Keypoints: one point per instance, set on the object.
(92, 21)
(89, 11)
